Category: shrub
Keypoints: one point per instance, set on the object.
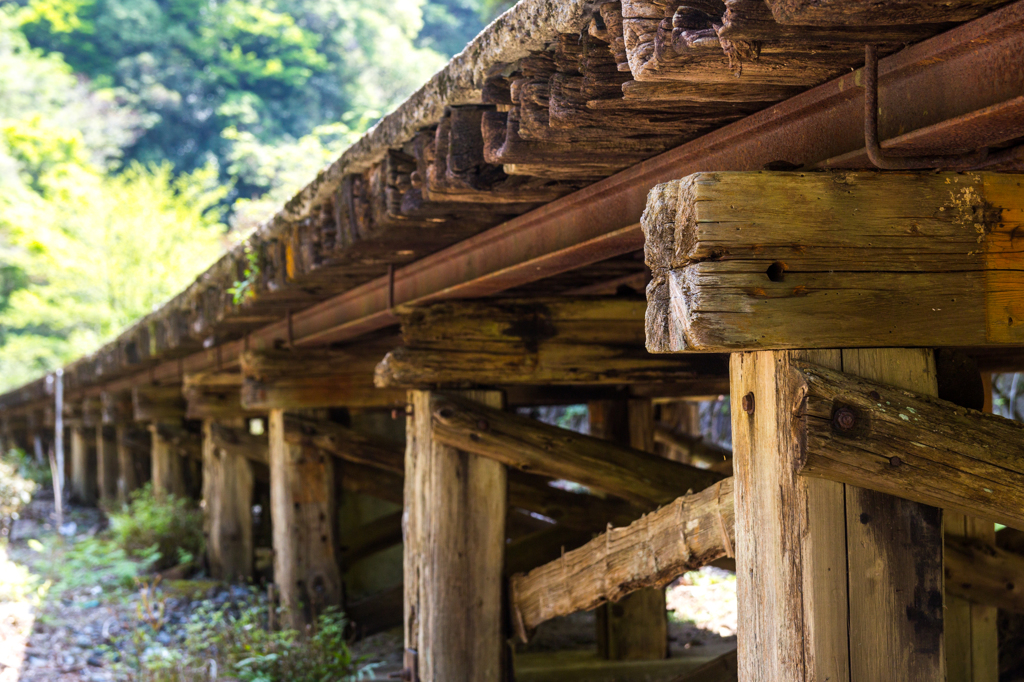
(171, 525)
(15, 491)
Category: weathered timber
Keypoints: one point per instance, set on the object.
(370, 538)
(302, 506)
(158, 402)
(106, 462)
(691, 532)
(455, 505)
(695, 450)
(537, 341)
(116, 407)
(132, 447)
(83, 465)
(227, 510)
(533, 447)
(541, 546)
(636, 626)
(215, 395)
(344, 443)
(580, 511)
(867, 13)
(367, 480)
(845, 260)
(722, 669)
(984, 574)
(911, 446)
(238, 441)
(834, 582)
(308, 378)
(168, 468)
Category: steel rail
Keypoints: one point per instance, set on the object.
(967, 69)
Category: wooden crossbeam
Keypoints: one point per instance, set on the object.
(529, 445)
(546, 341)
(116, 407)
(919, 448)
(310, 378)
(370, 538)
(158, 403)
(982, 573)
(215, 395)
(651, 552)
(762, 260)
(344, 443)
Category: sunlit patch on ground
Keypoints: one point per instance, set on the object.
(706, 598)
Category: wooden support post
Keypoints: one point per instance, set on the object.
(635, 627)
(168, 469)
(227, 495)
(455, 505)
(106, 462)
(835, 582)
(83, 465)
(129, 440)
(302, 508)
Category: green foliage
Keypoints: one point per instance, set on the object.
(234, 641)
(165, 531)
(98, 561)
(15, 490)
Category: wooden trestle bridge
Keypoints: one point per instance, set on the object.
(486, 247)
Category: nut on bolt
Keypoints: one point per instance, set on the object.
(748, 403)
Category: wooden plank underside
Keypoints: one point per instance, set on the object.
(765, 260)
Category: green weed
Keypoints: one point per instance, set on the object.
(167, 528)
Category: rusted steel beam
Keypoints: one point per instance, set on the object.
(972, 67)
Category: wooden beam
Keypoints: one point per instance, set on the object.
(344, 443)
(636, 626)
(168, 468)
(833, 582)
(367, 480)
(691, 532)
(158, 403)
(695, 450)
(861, 13)
(132, 445)
(227, 510)
(455, 504)
(528, 445)
(378, 612)
(237, 440)
(83, 465)
(116, 407)
(722, 669)
(215, 395)
(548, 341)
(916, 447)
(579, 511)
(106, 462)
(749, 261)
(310, 378)
(984, 574)
(302, 506)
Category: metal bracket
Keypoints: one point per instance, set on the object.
(874, 149)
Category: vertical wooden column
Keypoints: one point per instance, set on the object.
(227, 496)
(636, 627)
(835, 582)
(972, 642)
(127, 471)
(106, 462)
(455, 510)
(303, 511)
(83, 465)
(168, 470)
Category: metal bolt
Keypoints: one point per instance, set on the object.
(895, 462)
(483, 425)
(445, 413)
(874, 395)
(748, 403)
(844, 419)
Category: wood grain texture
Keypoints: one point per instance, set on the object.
(537, 341)
(302, 507)
(528, 445)
(311, 378)
(846, 260)
(227, 510)
(455, 506)
(986, 576)
(168, 470)
(914, 446)
(130, 444)
(691, 532)
(158, 403)
(106, 462)
(867, 13)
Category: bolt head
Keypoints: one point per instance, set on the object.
(895, 462)
(748, 403)
(844, 419)
(483, 425)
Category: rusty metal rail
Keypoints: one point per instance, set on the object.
(970, 74)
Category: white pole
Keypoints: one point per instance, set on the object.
(57, 461)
